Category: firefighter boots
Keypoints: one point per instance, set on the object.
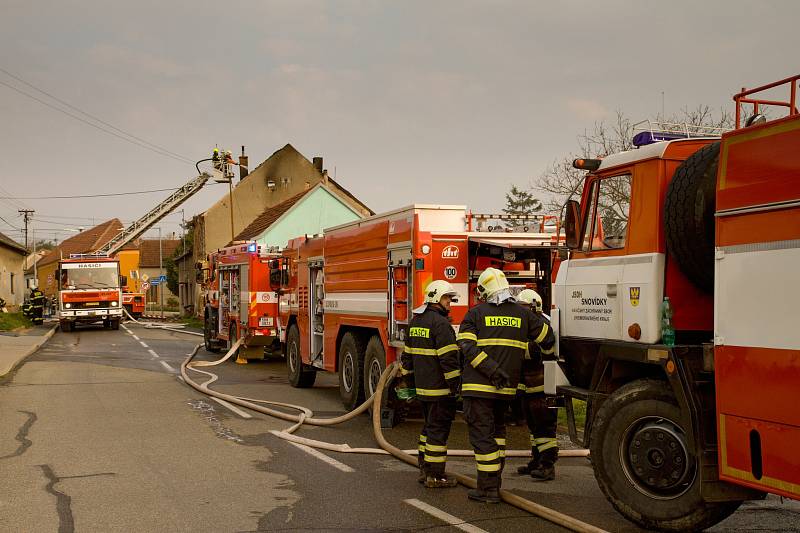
(543, 473)
(484, 495)
(440, 481)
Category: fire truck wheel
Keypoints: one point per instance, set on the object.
(299, 375)
(374, 365)
(66, 326)
(351, 361)
(643, 464)
(115, 324)
(689, 216)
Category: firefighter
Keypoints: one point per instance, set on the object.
(432, 358)
(493, 338)
(541, 419)
(37, 306)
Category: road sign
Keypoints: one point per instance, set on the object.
(162, 279)
(155, 281)
(145, 286)
(145, 277)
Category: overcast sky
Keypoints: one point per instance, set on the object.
(412, 101)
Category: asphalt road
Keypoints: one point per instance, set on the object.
(97, 433)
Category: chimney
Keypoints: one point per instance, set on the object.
(318, 164)
(243, 166)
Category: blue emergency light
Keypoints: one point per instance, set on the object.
(649, 137)
(251, 247)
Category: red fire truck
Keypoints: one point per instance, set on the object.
(134, 303)
(690, 400)
(347, 296)
(239, 302)
(88, 292)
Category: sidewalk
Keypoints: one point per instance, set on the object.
(15, 346)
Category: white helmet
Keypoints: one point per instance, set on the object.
(438, 288)
(490, 281)
(532, 298)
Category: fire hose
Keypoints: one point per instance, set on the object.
(305, 416)
(178, 328)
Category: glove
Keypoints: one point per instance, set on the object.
(454, 385)
(500, 379)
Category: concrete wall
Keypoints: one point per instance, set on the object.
(11, 263)
(317, 211)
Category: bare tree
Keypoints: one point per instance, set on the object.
(560, 180)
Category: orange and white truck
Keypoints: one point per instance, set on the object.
(88, 291)
(685, 420)
(346, 297)
(239, 302)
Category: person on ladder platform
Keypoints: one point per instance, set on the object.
(432, 358)
(493, 337)
(541, 419)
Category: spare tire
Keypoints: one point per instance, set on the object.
(689, 216)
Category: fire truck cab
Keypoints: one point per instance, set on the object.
(346, 297)
(238, 300)
(682, 431)
(88, 292)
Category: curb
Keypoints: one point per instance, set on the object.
(31, 351)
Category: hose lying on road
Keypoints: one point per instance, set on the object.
(177, 328)
(305, 416)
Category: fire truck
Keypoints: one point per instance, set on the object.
(88, 292)
(346, 297)
(239, 302)
(677, 318)
(134, 303)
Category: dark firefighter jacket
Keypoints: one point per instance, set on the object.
(431, 355)
(532, 380)
(37, 298)
(496, 336)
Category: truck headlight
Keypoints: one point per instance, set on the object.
(67, 306)
(114, 303)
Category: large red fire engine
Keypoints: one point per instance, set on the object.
(239, 302)
(347, 296)
(682, 431)
(88, 291)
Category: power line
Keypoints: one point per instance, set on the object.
(159, 151)
(101, 121)
(105, 195)
(10, 224)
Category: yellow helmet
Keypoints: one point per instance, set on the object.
(438, 288)
(490, 281)
(532, 298)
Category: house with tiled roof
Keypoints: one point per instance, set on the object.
(307, 213)
(12, 282)
(264, 208)
(153, 255)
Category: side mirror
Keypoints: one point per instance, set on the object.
(123, 281)
(572, 227)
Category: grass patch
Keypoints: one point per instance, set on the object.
(579, 406)
(192, 322)
(9, 321)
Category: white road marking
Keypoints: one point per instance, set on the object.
(143, 344)
(154, 354)
(166, 365)
(322, 457)
(134, 336)
(444, 517)
(232, 407)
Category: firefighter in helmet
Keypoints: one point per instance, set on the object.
(541, 419)
(37, 305)
(493, 337)
(431, 358)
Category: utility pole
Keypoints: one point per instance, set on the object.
(26, 216)
(160, 273)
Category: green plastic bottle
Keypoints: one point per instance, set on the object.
(667, 331)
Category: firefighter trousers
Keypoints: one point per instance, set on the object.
(487, 435)
(439, 415)
(542, 421)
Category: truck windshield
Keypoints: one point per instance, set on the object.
(89, 278)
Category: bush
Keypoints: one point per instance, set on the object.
(172, 302)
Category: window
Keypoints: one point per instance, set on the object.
(607, 217)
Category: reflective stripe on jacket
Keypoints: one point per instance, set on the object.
(497, 336)
(431, 355)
